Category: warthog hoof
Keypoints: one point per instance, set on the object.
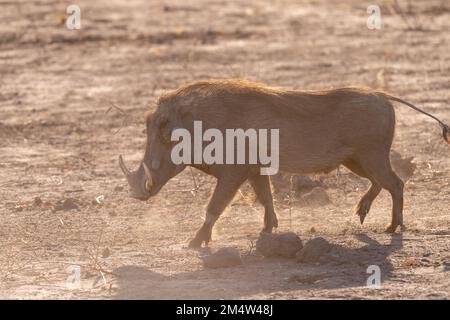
(195, 243)
(391, 228)
(268, 227)
(267, 230)
(362, 210)
(201, 237)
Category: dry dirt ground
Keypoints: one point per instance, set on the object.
(64, 200)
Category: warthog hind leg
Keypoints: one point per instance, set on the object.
(363, 207)
(377, 168)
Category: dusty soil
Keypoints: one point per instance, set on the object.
(64, 200)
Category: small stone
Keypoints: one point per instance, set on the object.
(106, 253)
(410, 262)
(285, 244)
(314, 250)
(222, 258)
(37, 201)
(305, 278)
(67, 204)
(112, 213)
(437, 294)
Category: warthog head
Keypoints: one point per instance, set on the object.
(157, 167)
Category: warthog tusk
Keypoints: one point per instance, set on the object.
(149, 183)
(446, 133)
(124, 168)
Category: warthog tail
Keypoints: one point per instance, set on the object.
(445, 128)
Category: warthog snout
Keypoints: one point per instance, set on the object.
(140, 181)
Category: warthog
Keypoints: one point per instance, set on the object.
(318, 131)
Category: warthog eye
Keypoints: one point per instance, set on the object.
(165, 130)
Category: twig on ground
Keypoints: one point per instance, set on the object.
(291, 196)
(114, 106)
(251, 247)
(194, 180)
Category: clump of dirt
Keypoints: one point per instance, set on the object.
(106, 252)
(66, 205)
(314, 250)
(305, 278)
(285, 244)
(222, 258)
(37, 201)
(403, 166)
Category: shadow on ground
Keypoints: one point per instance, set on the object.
(346, 268)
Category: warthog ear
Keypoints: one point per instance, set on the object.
(165, 126)
(180, 117)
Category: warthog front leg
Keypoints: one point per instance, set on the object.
(226, 188)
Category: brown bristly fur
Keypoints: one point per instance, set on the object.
(319, 130)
